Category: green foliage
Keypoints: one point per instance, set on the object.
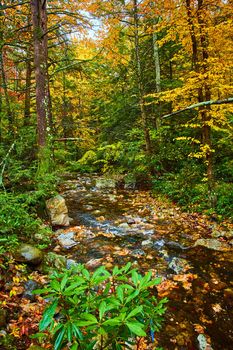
(224, 199)
(19, 218)
(15, 217)
(99, 309)
(85, 164)
(191, 192)
(46, 185)
(7, 342)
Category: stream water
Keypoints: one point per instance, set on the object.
(113, 226)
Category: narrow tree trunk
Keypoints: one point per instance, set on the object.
(27, 104)
(157, 75)
(139, 79)
(45, 50)
(10, 116)
(38, 9)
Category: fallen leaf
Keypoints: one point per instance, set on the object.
(198, 328)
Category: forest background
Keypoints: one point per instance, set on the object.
(140, 90)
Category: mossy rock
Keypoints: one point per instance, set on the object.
(28, 254)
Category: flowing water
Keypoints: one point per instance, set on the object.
(113, 226)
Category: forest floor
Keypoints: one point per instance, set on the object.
(191, 253)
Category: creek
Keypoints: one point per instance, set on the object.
(113, 226)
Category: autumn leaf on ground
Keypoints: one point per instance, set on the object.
(217, 307)
(166, 287)
(186, 280)
(198, 328)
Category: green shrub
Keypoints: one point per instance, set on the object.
(15, 217)
(224, 204)
(100, 310)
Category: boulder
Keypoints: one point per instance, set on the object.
(213, 244)
(58, 211)
(28, 254)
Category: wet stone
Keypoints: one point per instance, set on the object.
(71, 263)
(138, 253)
(66, 240)
(175, 246)
(179, 265)
(29, 287)
(124, 225)
(159, 244)
(147, 243)
(213, 244)
(93, 263)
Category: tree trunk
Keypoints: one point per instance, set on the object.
(206, 112)
(38, 9)
(204, 93)
(139, 79)
(48, 95)
(10, 116)
(157, 75)
(27, 104)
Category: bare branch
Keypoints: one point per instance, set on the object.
(201, 104)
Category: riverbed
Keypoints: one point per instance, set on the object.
(192, 255)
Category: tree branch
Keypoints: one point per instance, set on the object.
(4, 7)
(201, 104)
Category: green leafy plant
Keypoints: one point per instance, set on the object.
(100, 310)
(15, 217)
